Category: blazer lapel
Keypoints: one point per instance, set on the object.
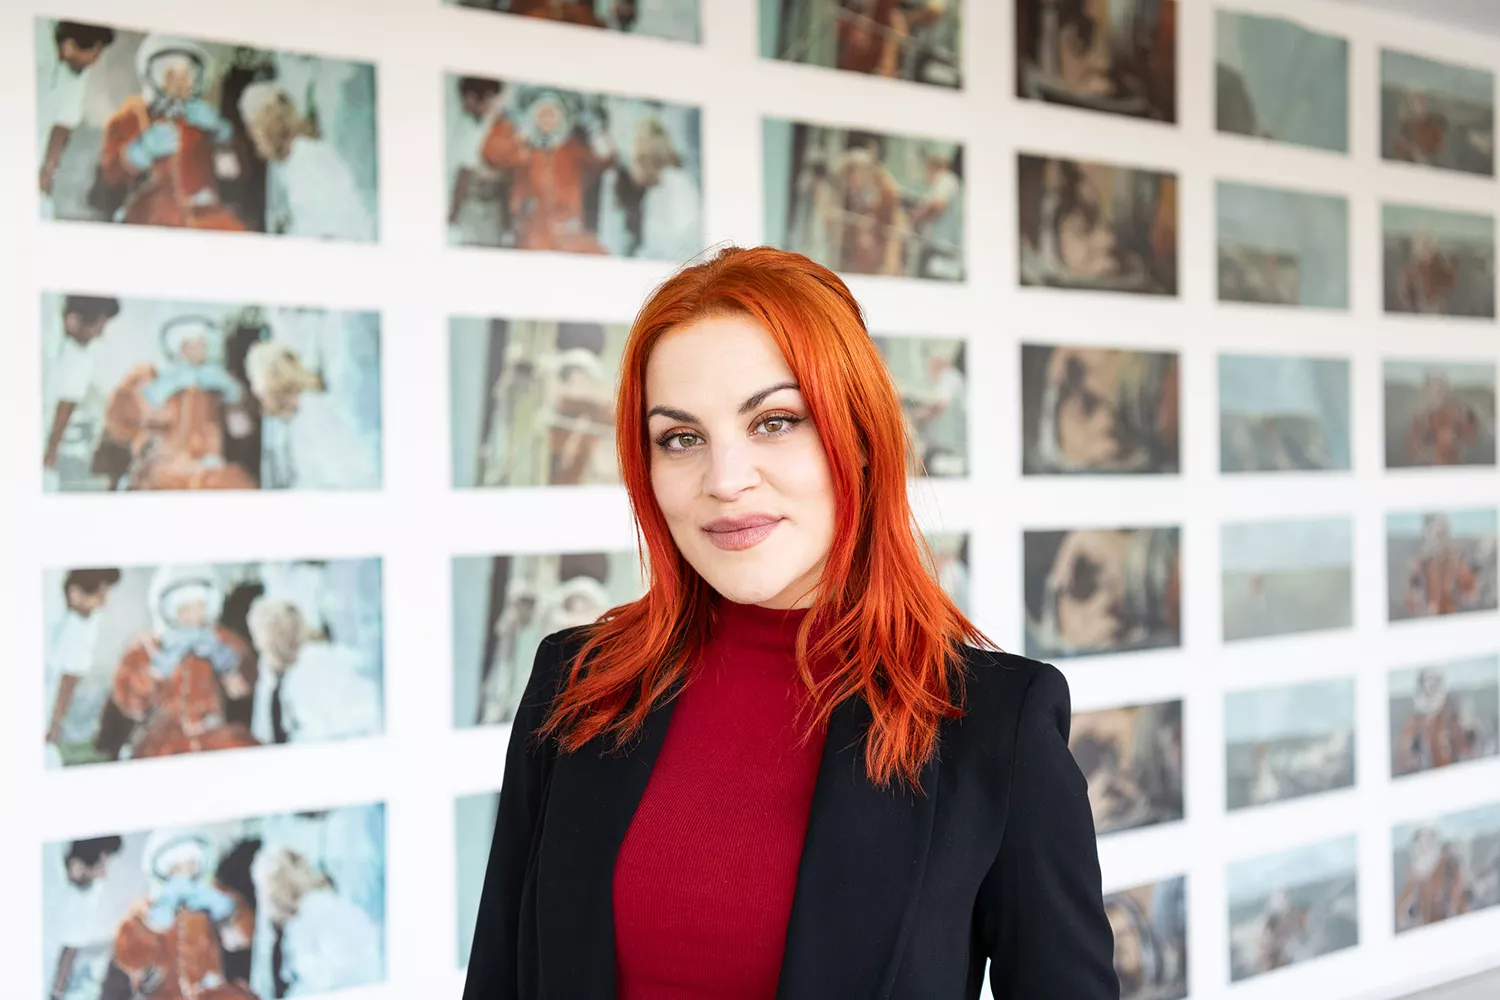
(860, 875)
(594, 796)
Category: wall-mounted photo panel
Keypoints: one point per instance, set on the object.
(282, 905)
(950, 554)
(919, 41)
(1279, 247)
(865, 202)
(931, 375)
(678, 20)
(154, 661)
(1151, 936)
(474, 829)
(532, 402)
(538, 167)
(504, 606)
(1292, 907)
(1113, 56)
(1096, 226)
(148, 395)
(1288, 742)
(1277, 80)
(1287, 577)
(1439, 413)
(1281, 413)
(1444, 714)
(1436, 114)
(165, 130)
(1440, 562)
(1437, 262)
(1099, 411)
(1132, 758)
(1446, 867)
(1102, 590)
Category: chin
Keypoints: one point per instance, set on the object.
(746, 584)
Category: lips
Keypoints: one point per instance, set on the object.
(734, 534)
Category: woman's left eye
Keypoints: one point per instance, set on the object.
(779, 424)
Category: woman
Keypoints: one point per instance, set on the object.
(732, 787)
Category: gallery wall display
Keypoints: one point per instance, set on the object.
(679, 20)
(916, 40)
(866, 202)
(154, 661)
(1201, 405)
(157, 129)
(532, 166)
(142, 395)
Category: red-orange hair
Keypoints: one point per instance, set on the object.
(879, 614)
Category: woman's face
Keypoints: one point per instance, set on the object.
(737, 466)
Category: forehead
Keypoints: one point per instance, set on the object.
(714, 360)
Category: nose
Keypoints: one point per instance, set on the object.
(731, 470)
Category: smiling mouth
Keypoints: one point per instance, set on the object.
(738, 539)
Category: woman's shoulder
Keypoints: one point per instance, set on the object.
(1004, 691)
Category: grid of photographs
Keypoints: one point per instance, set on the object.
(169, 386)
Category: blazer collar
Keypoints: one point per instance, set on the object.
(858, 880)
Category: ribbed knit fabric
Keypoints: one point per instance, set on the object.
(704, 880)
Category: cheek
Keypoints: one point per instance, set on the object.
(804, 476)
(672, 485)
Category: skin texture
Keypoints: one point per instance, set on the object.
(715, 457)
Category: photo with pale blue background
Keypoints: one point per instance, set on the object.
(1284, 577)
(1470, 840)
(1288, 742)
(676, 20)
(332, 891)
(474, 827)
(1438, 413)
(1280, 413)
(1319, 881)
(1436, 114)
(1438, 262)
(1282, 247)
(1275, 79)
(1444, 714)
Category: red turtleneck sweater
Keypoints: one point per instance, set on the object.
(704, 879)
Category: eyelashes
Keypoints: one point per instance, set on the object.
(670, 442)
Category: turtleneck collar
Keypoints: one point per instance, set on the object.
(751, 626)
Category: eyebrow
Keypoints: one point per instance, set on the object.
(745, 407)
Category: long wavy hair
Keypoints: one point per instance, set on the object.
(885, 626)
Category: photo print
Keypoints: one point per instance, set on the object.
(1438, 263)
(163, 130)
(1150, 925)
(1114, 56)
(915, 40)
(504, 606)
(1288, 742)
(931, 374)
(1281, 247)
(1287, 577)
(285, 905)
(678, 20)
(1099, 411)
(155, 661)
(1444, 714)
(536, 167)
(1446, 867)
(474, 829)
(1102, 590)
(533, 402)
(1292, 906)
(1440, 562)
(864, 202)
(1096, 226)
(1132, 758)
(1436, 114)
(1439, 413)
(1280, 413)
(149, 395)
(1277, 80)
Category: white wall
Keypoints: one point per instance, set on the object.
(417, 523)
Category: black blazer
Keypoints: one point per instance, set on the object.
(898, 897)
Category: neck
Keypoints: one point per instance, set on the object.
(751, 625)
